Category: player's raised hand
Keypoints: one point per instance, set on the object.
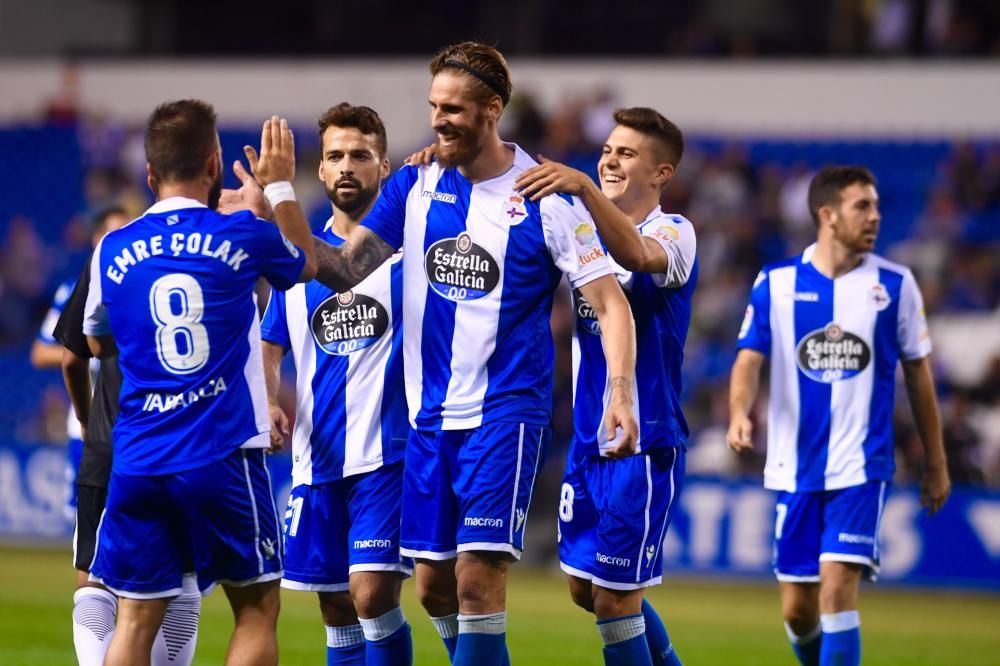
(249, 196)
(422, 157)
(279, 427)
(740, 435)
(935, 487)
(277, 153)
(548, 178)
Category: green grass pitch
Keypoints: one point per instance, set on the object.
(711, 622)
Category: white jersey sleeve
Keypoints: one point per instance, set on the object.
(911, 327)
(95, 315)
(572, 240)
(675, 234)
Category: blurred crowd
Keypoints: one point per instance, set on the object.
(748, 206)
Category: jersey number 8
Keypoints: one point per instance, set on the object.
(177, 305)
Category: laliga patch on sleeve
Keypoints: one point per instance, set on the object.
(292, 250)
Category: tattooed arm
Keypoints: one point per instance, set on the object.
(341, 268)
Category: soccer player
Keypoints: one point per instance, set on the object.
(614, 511)
(46, 352)
(480, 266)
(173, 292)
(834, 321)
(342, 521)
(94, 607)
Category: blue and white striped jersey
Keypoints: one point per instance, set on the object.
(46, 334)
(661, 307)
(176, 289)
(348, 351)
(834, 346)
(480, 265)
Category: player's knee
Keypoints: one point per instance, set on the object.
(581, 593)
(337, 609)
(482, 581)
(375, 595)
(612, 603)
(436, 593)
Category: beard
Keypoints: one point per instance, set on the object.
(466, 146)
(352, 202)
(215, 193)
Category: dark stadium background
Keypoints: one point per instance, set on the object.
(65, 157)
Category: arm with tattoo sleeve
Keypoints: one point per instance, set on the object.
(341, 268)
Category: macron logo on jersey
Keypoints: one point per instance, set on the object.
(443, 197)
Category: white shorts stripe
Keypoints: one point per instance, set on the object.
(645, 517)
(517, 480)
(437, 556)
(256, 522)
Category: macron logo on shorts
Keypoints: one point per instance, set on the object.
(361, 544)
(614, 561)
(477, 521)
(844, 537)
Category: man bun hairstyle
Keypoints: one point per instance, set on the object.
(483, 63)
(362, 118)
(653, 124)
(826, 186)
(180, 136)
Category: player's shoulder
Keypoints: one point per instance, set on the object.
(883, 264)
(667, 226)
(789, 264)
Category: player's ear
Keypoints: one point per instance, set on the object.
(151, 180)
(213, 166)
(664, 172)
(383, 171)
(494, 108)
(321, 172)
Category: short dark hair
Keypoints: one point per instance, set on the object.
(100, 219)
(483, 63)
(362, 118)
(826, 186)
(180, 136)
(653, 124)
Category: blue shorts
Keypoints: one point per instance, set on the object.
(614, 514)
(218, 521)
(469, 490)
(335, 529)
(832, 525)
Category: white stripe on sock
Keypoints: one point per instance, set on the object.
(622, 629)
(494, 623)
(843, 621)
(383, 626)
(807, 637)
(341, 637)
(446, 625)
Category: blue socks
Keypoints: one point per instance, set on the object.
(841, 639)
(345, 646)
(806, 647)
(387, 640)
(482, 640)
(660, 648)
(447, 628)
(625, 641)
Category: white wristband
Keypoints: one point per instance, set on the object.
(279, 192)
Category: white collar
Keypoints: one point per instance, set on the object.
(174, 203)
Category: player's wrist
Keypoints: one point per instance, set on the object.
(279, 192)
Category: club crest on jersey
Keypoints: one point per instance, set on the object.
(347, 322)
(514, 211)
(586, 318)
(830, 354)
(460, 270)
(880, 297)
